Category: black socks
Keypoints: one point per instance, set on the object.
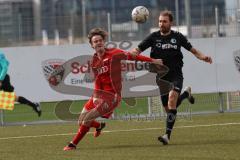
(182, 97)
(171, 116)
(23, 100)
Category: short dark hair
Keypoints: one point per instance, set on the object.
(97, 31)
(168, 14)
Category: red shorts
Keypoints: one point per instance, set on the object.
(104, 104)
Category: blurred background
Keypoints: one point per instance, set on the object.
(44, 22)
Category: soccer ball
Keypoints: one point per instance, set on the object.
(140, 14)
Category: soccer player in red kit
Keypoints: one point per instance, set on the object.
(106, 66)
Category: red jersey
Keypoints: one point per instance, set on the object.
(107, 70)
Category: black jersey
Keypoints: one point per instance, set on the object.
(167, 48)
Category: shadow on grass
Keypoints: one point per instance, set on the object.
(130, 146)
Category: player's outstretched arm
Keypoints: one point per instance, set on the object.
(157, 61)
(134, 52)
(128, 56)
(144, 59)
(201, 56)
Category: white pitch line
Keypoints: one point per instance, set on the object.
(129, 130)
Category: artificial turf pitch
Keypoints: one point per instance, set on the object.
(208, 137)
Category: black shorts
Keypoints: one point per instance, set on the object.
(6, 85)
(167, 83)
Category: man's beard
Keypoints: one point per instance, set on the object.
(165, 30)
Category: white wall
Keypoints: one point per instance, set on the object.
(220, 76)
(28, 78)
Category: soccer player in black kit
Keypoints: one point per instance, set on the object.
(166, 45)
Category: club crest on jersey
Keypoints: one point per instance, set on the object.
(159, 45)
(236, 56)
(173, 40)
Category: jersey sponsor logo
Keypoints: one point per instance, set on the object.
(166, 46)
(169, 46)
(102, 70)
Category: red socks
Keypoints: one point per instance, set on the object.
(83, 130)
(81, 133)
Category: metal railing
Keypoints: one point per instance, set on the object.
(19, 30)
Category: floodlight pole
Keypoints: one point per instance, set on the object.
(177, 13)
(202, 13)
(188, 18)
(109, 27)
(37, 19)
(217, 21)
(238, 16)
(84, 30)
(20, 27)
